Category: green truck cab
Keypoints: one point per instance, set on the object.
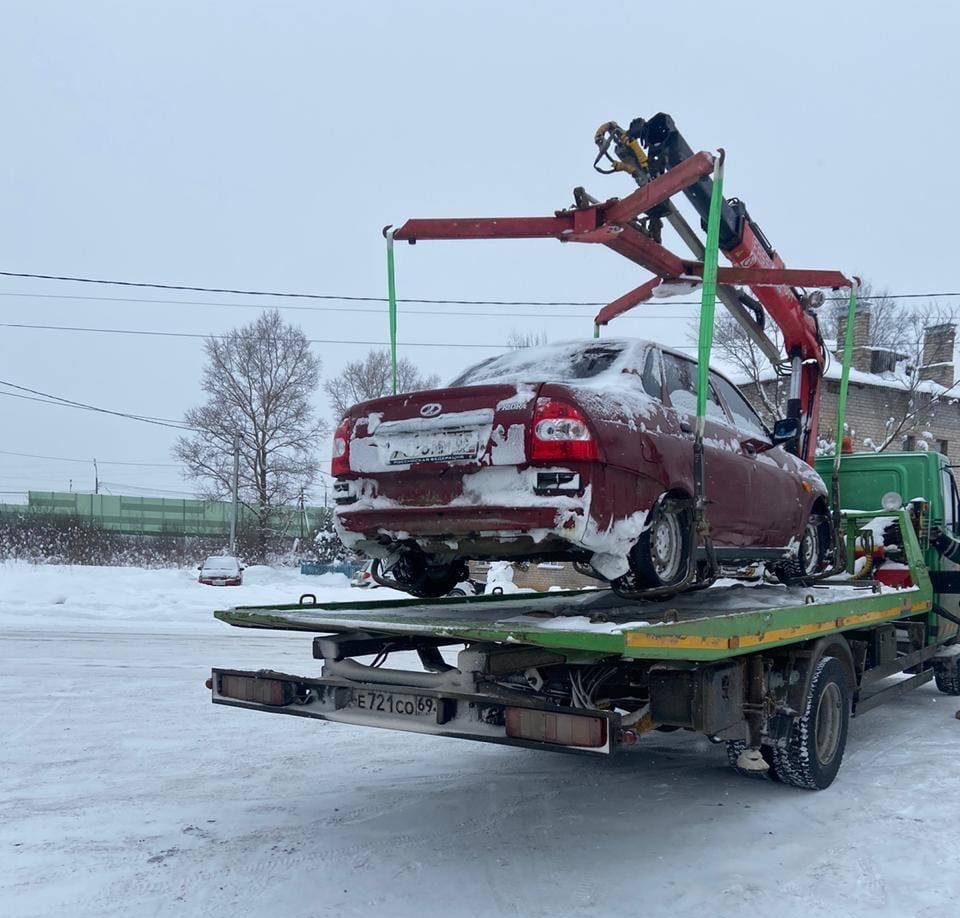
(875, 481)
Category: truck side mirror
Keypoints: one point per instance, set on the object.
(785, 430)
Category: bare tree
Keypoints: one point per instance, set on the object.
(259, 380)
(517, 340)
(372, 377)
(734, 346)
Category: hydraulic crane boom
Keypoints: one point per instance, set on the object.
(663, 165)
(744, 245)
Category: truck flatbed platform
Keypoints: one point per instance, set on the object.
(710, 624)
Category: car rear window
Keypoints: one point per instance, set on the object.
(551, 362)
(221, 562)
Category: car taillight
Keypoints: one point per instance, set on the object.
(340, 463)
(561, 432)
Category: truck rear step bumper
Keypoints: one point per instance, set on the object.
(528, 723)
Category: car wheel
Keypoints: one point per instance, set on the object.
(659, 559)
(414, 574)
(813, 548)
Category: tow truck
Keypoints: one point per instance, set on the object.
(775, 672)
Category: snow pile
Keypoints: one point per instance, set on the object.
(80, 597)
(500, 578)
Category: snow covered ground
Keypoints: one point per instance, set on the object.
(124, 792)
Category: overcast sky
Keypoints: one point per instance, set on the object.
(265, 145)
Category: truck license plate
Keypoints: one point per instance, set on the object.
(418, 706)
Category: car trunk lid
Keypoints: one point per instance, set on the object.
(467, 427)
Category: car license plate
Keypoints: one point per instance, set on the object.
(441, 446)
(219, 582)
(395, 703)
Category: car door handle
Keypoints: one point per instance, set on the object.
(686, 427)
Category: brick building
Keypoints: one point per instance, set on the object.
(881, 394)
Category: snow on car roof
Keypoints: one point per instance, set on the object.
(576, 359)
(584, 358)
(220, 561)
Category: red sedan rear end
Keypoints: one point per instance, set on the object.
(572, 451)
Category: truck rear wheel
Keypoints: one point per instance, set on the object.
(814, 750)
(948, 678)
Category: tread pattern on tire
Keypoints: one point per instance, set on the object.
(793, 762)
(948, 683)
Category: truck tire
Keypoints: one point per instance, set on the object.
(948, 680)
(814, 749)
(735, 747)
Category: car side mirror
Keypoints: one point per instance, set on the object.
(786, 430)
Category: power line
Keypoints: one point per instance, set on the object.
(156, 465)
(304, 296)
(48, 399)
(169, 334)
(379, 299)
(351, 310)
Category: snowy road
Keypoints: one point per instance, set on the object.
(124, 792)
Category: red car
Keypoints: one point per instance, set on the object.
(221, 570)
(579, 451)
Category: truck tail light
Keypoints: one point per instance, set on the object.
(561, 432)
(274, 692)
(562, 729)
(340, 463)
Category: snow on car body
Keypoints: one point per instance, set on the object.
(580, 450)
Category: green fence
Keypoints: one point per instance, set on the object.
(163, 515)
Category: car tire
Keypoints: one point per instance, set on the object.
(814, 748)
(815, 544)
(660, 556)
(414, 574)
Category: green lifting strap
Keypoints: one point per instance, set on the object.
(709, 295)
(845, 372)
(392, 298)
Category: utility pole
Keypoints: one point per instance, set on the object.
(236, 489)
(96, 478)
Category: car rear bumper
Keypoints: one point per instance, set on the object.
(437, 522)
